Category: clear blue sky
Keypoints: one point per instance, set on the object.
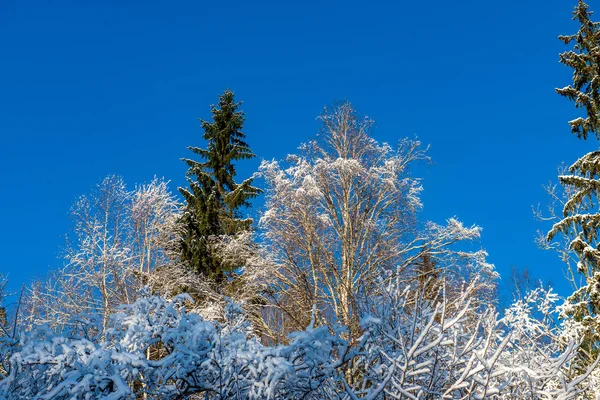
(91, 88)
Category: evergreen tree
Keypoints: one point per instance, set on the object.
(584, 58)
(428, 276)
(581, 217)
(214, 200)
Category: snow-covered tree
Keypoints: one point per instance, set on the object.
(584, 59)
(339, 217)
(119, 238)
(580, 222)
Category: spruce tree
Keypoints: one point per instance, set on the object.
(429, 276)
(584, 59)
(214, 201)
(581, 212)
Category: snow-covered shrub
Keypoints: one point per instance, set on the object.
(155, 347)
(413, 347)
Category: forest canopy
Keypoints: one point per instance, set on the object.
(341, 289)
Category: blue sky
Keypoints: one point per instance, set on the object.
(94, 88)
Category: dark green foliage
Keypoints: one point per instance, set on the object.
(214, 200)
(580, 221)
(584, 58)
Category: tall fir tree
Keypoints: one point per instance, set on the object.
(584, 59)
(580, 221)
(214, 201)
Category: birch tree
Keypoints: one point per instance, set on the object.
(119, 239)
(342, 215)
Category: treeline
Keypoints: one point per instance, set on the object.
(339, 291)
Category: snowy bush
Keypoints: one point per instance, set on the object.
(155, 347)
(412, 347)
